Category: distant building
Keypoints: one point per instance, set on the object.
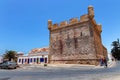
(35, 56)
(20, 54)
(1, 59)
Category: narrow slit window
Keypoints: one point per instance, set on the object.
(81, 34)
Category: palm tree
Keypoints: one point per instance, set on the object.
(116, 49)
(115, 44)
(10, 55)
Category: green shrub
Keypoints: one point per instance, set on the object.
(45, 64)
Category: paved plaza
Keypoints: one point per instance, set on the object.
(62, 72)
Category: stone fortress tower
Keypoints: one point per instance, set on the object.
(76, 41)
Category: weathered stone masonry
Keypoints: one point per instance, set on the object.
(76, 41)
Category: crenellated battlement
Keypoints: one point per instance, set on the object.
(62, 24)
(73, 20)
(54, 26)
(99, 26)
(83, 18)
(66, 23)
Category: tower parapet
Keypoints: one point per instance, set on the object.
(72, 21)
(62, 24)
(83, 18)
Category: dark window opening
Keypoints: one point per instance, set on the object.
(34, 59)
(31, 60)
(19, 60)
(25, 60)
(81, 34)
(41, 59)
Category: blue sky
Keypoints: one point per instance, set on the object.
(23, 23)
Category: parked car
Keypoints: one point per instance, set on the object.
(0, 63)
(8, 65)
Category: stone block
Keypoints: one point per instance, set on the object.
(64, 23)
(73, 20)
(84, 18)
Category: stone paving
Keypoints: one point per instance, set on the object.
(62, 72)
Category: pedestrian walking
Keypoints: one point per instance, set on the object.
(105, 62)
(101, 62)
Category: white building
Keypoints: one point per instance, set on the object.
(35, 56)
(1, 59)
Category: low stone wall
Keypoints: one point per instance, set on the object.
(76, 61)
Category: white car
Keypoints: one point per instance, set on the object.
(8, 65)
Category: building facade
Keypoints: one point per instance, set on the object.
(76, 41)
(35, 56)
(1, 59)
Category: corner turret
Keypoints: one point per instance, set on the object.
(49, 24)
(90, 12)
(99, 26)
